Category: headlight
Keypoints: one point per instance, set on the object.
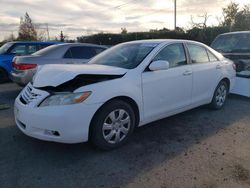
(65, 99)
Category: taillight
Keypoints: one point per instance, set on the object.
(23, 66)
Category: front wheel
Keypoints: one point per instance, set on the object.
(220, 95)
(113, 124)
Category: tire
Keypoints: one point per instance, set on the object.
(3, 76)
(107, 131)
(240, 66)
(220, 95)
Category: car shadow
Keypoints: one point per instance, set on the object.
(34, 163)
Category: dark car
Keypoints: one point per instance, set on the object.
(235, 46)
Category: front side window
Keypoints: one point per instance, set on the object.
(174, 54)
(128, 55)
(197, 53)
(19, 49)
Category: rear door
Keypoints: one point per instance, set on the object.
(206, 72)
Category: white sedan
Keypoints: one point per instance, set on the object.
(126, 86)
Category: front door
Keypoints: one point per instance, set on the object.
(167, 90)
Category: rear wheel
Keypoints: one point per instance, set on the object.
(112, 125)
(3, 76)
(220, 95)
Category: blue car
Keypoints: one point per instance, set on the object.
(11, 49)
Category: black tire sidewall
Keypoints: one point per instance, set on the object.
(96, 135)
(3, 75)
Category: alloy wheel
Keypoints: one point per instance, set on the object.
(116, 126)
(221, 95)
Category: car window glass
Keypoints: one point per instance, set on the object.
(211, 56)
(19, 49)
(197, 53)
(127, 55)
(41, 46)
(5, 48)
(174, 54)
(31, 49)
(232, 43)
(68, 54)
(99, 50)
(82, 52)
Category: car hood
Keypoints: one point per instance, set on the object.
(55, 75)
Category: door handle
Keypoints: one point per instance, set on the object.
(218, 66)
(187, 73)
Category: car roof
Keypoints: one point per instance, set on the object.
(35, 42)
(236, 32)
(165, 41)
(82, 44)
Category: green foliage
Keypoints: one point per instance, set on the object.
(27, 30)
(229, 14)
(203, 35)
(242, 19)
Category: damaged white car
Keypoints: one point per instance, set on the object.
(127, 86)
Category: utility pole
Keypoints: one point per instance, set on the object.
(175, 7)
(47, 29)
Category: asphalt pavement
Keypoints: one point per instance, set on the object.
(198, 148)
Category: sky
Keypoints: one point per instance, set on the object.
(86, 17)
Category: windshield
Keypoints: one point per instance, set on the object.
(5, 48)
(232, 43)
(46, 50)
(128, 55)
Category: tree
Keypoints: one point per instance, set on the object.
(10, 38)
(124, 30)
(229, 14)
(27, 30)
(202, 24)
(62, 37)
(242, 19)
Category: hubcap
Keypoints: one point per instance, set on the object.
(116, 126)
(221, 95)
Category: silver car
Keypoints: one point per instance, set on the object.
(24, 67)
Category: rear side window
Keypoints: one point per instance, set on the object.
(41, 46)
(19, 49)
(79, 52)
(197, 53)
(99, 50)
(174, 54)
(31, 49)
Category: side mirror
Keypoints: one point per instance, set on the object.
(159, 65)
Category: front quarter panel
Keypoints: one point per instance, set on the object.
(127, 86)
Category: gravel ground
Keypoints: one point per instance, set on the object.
(198, 148)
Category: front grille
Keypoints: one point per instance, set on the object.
(28, 95)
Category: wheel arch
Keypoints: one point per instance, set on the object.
(227, 80)
(126, 99)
